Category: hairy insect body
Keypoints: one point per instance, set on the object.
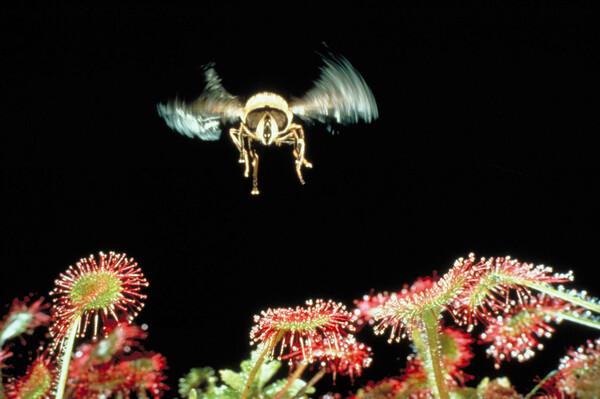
(340, 96)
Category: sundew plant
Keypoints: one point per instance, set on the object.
(93, 347)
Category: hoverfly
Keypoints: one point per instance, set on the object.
(339, 95)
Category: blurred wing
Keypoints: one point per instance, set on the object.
(340, 94)
(203, 117)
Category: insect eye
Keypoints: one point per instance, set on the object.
(254, 117)
(280, 118)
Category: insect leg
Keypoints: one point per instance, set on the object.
(254, 172)
(238, 140)
(300, 145)
(245, 155)
(299, 149)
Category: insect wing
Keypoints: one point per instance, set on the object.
(202, 118)
(340, 94)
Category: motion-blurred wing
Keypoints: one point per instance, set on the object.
(340, 94)
(203, 117)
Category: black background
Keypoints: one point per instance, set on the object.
(488, 111)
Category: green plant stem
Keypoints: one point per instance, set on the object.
(297, 373)
(541, 383)
(578, 319)
(549, 290)
(431, 355)
(65, 358)
(312, 382)
(259, 361)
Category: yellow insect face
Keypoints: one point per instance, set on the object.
(267, 117)
(267, 124)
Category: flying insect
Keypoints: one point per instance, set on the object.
(339, 95)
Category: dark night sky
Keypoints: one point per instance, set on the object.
(484, 144)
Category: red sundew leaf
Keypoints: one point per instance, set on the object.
(579, 371)
(365, 308)
(490, 283)
(456, 350)
(94, 382)
(119, 337)
(420, 285)
(139, 374)
(23, 318)
(515, 334)
(94, 289)
(36, 383)
(350, 360)
(404, 313)
(298, 328)
(144, 373)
